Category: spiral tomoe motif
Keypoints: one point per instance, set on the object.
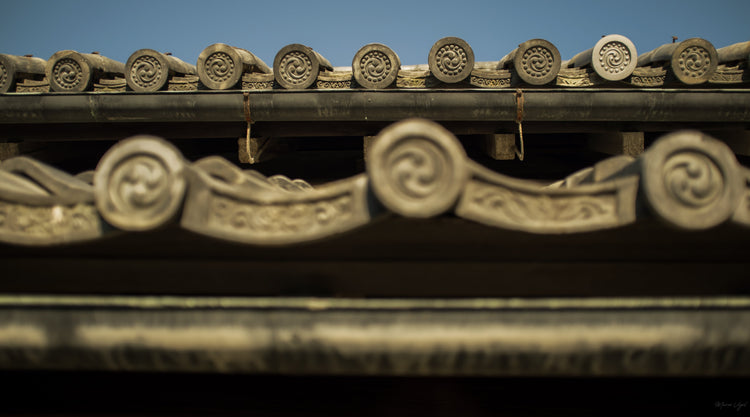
(695, 61)
(375, 66)
(451, 59)
(146, 71)
(693, 179)
(67, 73)
(417, 168)
(296, 68)
(537, 61)
(219, 67)
(614, 57)
(139, 184)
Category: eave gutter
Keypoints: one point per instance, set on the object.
(540, 105)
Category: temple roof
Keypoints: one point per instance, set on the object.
(612, 62)
(530, 207)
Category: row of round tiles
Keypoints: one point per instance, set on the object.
(296, 66)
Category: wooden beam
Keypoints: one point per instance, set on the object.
(617, 143)
(500, 146)
(366, 144)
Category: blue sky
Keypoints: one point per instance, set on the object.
(337, 29)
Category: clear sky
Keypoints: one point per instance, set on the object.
(337, 29)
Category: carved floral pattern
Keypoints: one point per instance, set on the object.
(257, 85)
(522, 209)
(489, 82)
(648, 77)
(47, 222)
(333, 84)
(727, 75)
(574, 77)
(32, 86)
(280, 218)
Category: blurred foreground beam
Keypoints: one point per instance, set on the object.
(593, 336)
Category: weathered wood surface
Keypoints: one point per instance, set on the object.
(297, 66)
(221, 67)
(376, 66)
(451, 60)
(535, 62)
(617, 143)
(613, 58)
(71, 71)
(500, 146)
(18, 68)
(148, 70)
(692, 61)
